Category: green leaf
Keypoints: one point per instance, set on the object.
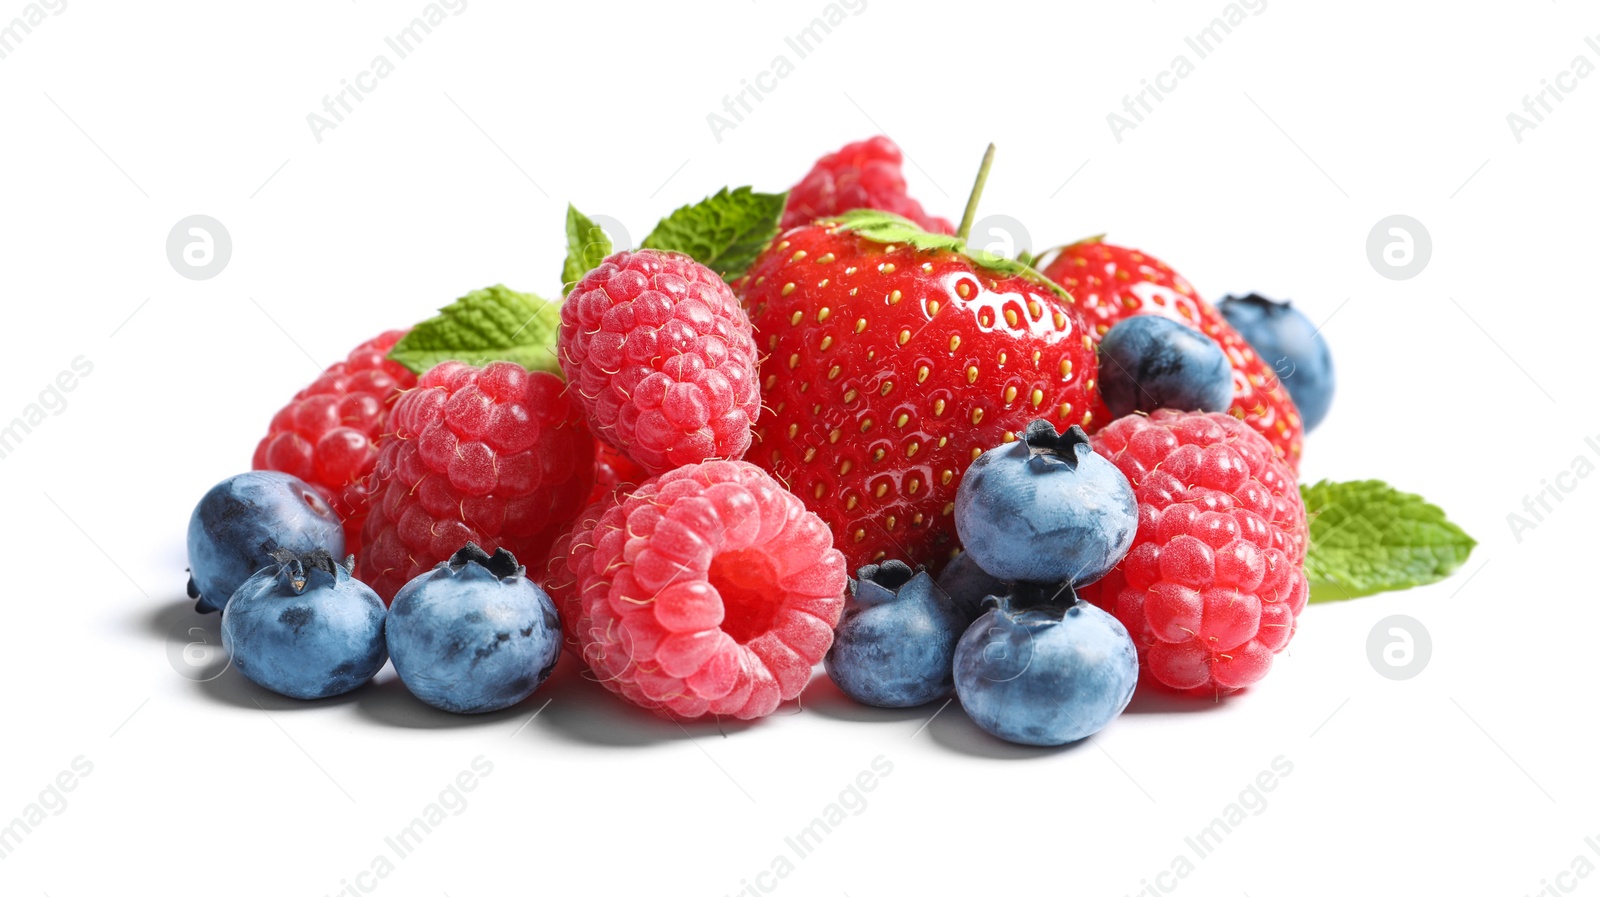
(587, 247)
(1367, 537)
(724, 232)
(887, 227)
(495, 324)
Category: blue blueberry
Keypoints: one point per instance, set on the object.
(1149, 362)
(244, 519)
(896, 638)
(473, 634)
(967, 585)
(1045, 674)
(304, 628)
(1292, 345)
(1046, 508)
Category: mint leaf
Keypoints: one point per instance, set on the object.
(494, 324)
(587, 247)
(1367, 537)
(724, 232)
(887, 227)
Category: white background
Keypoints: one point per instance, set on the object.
(1264, 169)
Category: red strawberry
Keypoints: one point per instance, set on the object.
(890, 367)
(863, 175)
(1112, 283)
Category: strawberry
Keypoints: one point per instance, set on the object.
(893, 358)
(1111, 283)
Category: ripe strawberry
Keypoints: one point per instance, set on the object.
(1111, 283)
(894, 359)
(863, 175)
(328, 433)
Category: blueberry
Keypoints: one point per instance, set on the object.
(1046, 508)
(967, 585)
(244, 519)
(1292, 345)
(473, 634)
(1149, 362)
(1045, 674)
(896, 638)
(304, 628)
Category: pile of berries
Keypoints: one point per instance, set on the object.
(1052, 484)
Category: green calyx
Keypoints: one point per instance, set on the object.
(887, 227)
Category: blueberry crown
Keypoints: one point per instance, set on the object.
(1262, 302)
(1044, 441)
(503, 564)
(297, 566)
(1035, 602)
(889, 574)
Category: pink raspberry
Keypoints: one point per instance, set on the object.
(572, 552)
(709, 589)
(1214, 582)
(497, 456)
(613, 469)
(664, 359)
(864, 175)
(327, 433)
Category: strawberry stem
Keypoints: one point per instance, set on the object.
(971, 211)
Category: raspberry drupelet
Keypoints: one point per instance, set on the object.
(709, 589)
(663, 359)
(499, 457)
(327, 435)
(1215, 580)
(862, 175)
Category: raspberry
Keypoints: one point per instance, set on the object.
(864, 175)
(1214, 582)
(664, 359)
(326, 435)
(709, 589)
(497, 456)
(613, 469)
(570, 553)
